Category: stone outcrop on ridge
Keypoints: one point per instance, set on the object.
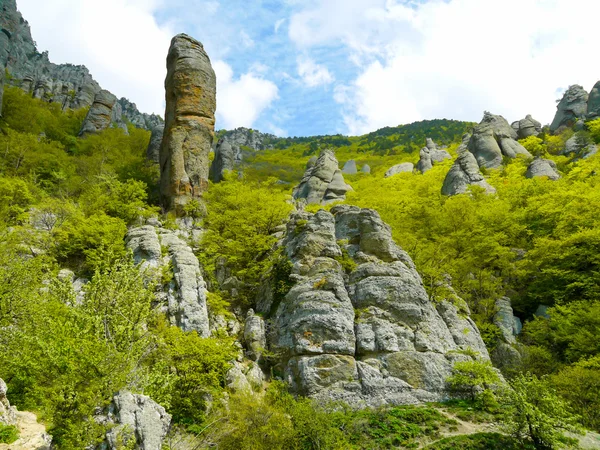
(100, 116)
(189, 122)
(527, 127)
(322, 182)
(357, 325)
(572, 107)
(430, 155)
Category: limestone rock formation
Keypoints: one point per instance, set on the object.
(399, 168)
(571, 107)
(366, 332)
(492, 139)
(540, 167)
(254, 335)
(366, 169)
(350, 168)
(593, 105)
(185, 294)
(153, 151)
(527, 127)
(189, 122)
(233, 146)
(138, 119)
(138, 418)
(8, 414)
(100, 115)
(323, 182)
(505, 353)
(579, 146)
(464, 173)
(430, 155)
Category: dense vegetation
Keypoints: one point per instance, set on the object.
(66, 202)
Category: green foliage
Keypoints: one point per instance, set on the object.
(15, 199)
(594, 128)
(479, 441)
(476, 378)
(8, 434)
(534, 145)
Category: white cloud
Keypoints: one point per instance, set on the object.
(247, 41)
(241, 101)
(313, 74)
(454, 58)
(118, 40)
(278, 25)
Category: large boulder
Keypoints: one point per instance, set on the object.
(430, 155)
(572, 106)
(366, 169)
(540, 167)
(492, 139)
(357, 324)
(527, 127)
(464, 173)
(254, 335)
(350, 168)
(100, 115)
(153, 150)
(580, 146)
(399, 168)
(593, 106)
(189, 123)
(322, 182)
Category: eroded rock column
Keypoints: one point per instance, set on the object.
(189, 122)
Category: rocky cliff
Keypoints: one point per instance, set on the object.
(323, 181)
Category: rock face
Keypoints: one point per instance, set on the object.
(233, 146)
(364, 332)
(593, 106)
(8, 414)
(572, 107)
(69, 85)
(350, 168)
(323, 182)
(430, 155)
(138, 119)
(399, 168)
(189, 122)
(100, 115)
(540, 167)
(136, 417)
(185, 294)
(527, 127)
(153, 151)
(464, 173)
(505, 353)
(580, 146)
(254, 335)
(492, 139)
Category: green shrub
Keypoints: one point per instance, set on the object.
(8, 434)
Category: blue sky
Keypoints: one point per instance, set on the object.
(306, 67)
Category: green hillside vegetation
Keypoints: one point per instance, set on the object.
(536, 241)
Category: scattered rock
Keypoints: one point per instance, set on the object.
(527, 127)
(571, 107)
(430, 155)
(153, 151)
(366, 169)
(350, 167)
(399, 168)
(464, 173)
(322, 183)
(189, 122)
(100, 115)
(540, 167)
(492, 139)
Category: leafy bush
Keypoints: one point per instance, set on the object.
(8, 434)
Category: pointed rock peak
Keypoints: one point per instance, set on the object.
(99, 117)
(572, 106)
(323, 182)
(430, 155)
(527, 127)
(593, 106)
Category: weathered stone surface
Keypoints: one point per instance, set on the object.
(540, 167)
(140, 120)
(527, 127)
(8, 414)
(571, 107)
(323, 182)
(464, 173)
(579, 146)
(145, 245)
(504, 319)
(254, 335)
(366, 169)
(593, 106)
(189, 122)
(367, 334)
(492, 139)
(399, 168)
(311, 162)
(153, 150)
(429, 155)
(100, 115)
(138, 418)
(350, 168)
(236, 145)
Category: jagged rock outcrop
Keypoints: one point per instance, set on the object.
(233, 146)
(153, 150)
(189, 122)
(572, 106)
(593, 105)
(8, 414)
(465, 172)
(492, 139)
(399, 168)
(185, 295)
(100, 116)
(366, 169)
(350, 168)
(357, 324)
(254, 335)
(527, 127)
(130, 111)
(540, 167)
(430, 155)
(135, 418)
(323, 182)
(579, 146)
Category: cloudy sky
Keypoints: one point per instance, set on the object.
(307, 67)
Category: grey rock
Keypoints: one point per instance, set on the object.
(145, 245)
(189, 123)
(579, 146)
(254, 335)
(140, 120)
(311, 162)
(430, 155)
(571, 107)
(350, 168)
(540, 167)
(322, 183)
(593, 106)
(492, 139)
(542, 311)
(139, 418)
(153, 151)
(504, 319)
(100, 115)
(236, 379)
(399, 168)
(505, 356)
(527, 127)
(464, 173)
(8, 414)
(366, 169)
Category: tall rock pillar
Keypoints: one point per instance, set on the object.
(189, 123)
